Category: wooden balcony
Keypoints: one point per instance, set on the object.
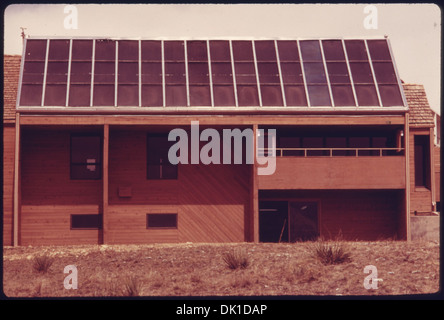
(336, 168)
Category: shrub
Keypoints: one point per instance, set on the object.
(236, 259)
(331, 252)
(42, 263)
(132, 287)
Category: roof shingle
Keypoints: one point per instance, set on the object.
(11, 71)
(420, 113)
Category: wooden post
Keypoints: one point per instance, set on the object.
(16, 222)
(254, 230)
(105, 235)
(407, 175)
(432, 168)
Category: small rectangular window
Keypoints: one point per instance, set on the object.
(86, 157)
(422, 161)
(86, 221)
(161, 220)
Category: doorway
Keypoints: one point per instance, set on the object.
(288, 221)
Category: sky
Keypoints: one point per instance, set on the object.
(414, 30)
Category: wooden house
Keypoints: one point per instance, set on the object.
(86, 125)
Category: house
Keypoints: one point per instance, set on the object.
(86, 148)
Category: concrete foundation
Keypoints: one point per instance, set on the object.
(425, 227)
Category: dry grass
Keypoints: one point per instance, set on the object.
(202, 269)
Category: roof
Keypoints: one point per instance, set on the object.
(420, 113)
(11, 71)
(186, 74)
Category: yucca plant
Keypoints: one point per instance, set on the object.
(331, 252)
(236, 259)
(132, 286)
(42, 263)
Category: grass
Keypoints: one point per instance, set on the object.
(235, 269)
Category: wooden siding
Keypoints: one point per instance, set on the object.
(352, 214)
(46, 171)
(48, 196)
(212, 201)
(387, 172)
(51, 225)
(8, 183)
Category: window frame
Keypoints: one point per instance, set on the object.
(173, 227)
(99, 221)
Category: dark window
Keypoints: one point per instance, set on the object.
(86, 221)
(333, 50)
(271, 95)
(343, 95)
(265, 50)
(152, 95)
(390, 95)
(295, 95)
(158, 164)
(422, 161)
(220, 50)
(242, 50)
(129, 50)
(86, 157)
(288, 50)
(356, 50)
(161, 220)
(247, 95)
(223, 95)
(319, 95)
(379, 50)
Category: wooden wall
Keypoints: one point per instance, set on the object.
(8, 182)
(352, 214)
(48, 196)
(387, 172)
(212, 201)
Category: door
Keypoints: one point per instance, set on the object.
(273, 221)
(303, 220)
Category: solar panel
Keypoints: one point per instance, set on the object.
(296, 73)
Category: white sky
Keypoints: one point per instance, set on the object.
(414, 30)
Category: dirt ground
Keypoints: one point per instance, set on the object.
(199, 270)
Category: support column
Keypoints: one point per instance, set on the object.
(254, 192)
(432, 168)
(407, 175)
(17, 205)
(105, 238)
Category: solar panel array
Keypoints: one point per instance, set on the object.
(211, 73)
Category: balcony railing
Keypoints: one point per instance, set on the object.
(330, 152)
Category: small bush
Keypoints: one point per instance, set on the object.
(236, 259)
(42, 263)
(132, 287)
(331, 252)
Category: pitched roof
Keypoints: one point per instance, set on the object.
(420, 113)
(11, 71)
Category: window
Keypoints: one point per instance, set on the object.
(161, 220)
(158, 165)
(422, 161)
(86, 157)
(86, 221)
